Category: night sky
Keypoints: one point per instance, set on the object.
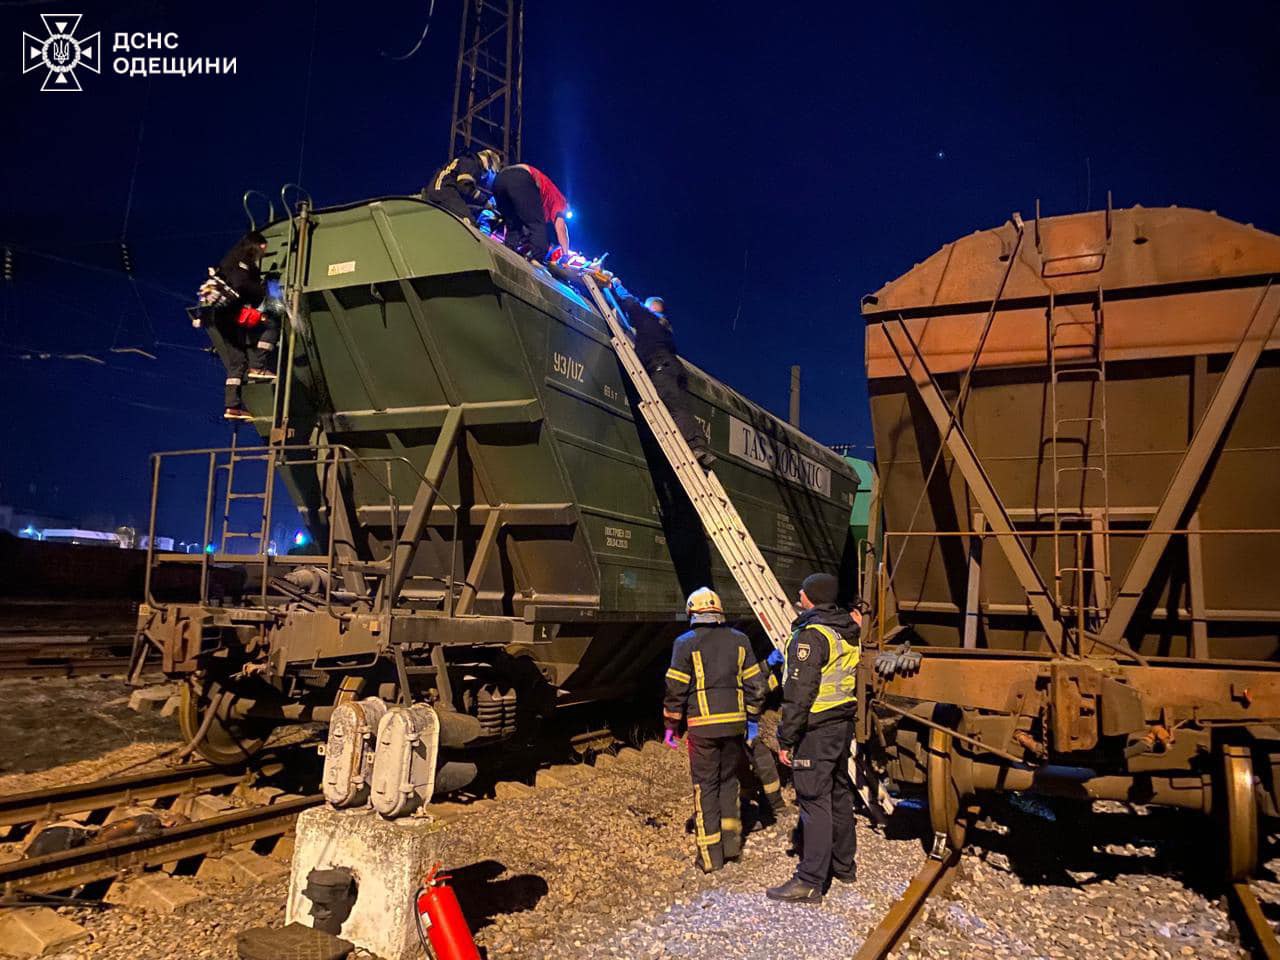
(760, 165)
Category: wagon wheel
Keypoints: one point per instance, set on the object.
(944, 794)
(1240, 813)
(226, 742)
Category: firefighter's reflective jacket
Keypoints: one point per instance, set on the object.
(819, 673)
(714, 684)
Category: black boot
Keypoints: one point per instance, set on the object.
(795, 890)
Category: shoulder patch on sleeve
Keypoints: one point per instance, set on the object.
(802, 651)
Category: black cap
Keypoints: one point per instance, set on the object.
(820, 588)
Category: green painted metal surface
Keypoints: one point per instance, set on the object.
(408, 313)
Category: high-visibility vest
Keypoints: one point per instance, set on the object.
(838, 682)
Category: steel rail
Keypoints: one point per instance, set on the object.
(62, 800)
(889, 934)
(1255, 930)
(45, 666)
(68, 869)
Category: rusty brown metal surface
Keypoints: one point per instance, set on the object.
(1184, 292)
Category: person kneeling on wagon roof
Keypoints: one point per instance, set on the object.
(462, 185)
(232, 303)
(529, 203)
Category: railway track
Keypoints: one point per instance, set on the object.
(101, 861)
(64, 801)
(64, 656)
(95, 861)
(1255, 931)
(934, 877)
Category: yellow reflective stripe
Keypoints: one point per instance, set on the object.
(730, 825)
(751, 671)
(773, 682)
(674, 674)
(701, 833)
(717, 718)
(742, 655)
(773, 786)
(702, 683)
(445, 172)
(709, 839)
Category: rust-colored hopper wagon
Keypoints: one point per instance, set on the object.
(1077, 422)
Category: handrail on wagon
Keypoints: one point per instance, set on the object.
(333, 454)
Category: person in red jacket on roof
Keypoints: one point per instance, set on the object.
(529, 203)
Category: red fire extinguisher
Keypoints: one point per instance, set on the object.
(442, 928)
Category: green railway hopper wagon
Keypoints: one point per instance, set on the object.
(1078, 451)
(494, 530)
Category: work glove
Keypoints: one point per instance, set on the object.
(886, 664)
(902, 662)
(774, 659)
(908, 660)
(671, 740)
(753, 731)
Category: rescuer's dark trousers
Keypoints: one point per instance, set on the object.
(261, 343)
(519, 203)
(762, 775)
(824, 790)
(668, 376)
(451, 199)
(244, 349)
(235, 353)
(713, 762)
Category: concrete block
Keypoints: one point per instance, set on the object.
(155, 892)
(604, 761)
(653, 748)
(511, 790)
(170, 706)
(208, 805)
(445, 812)
(564, 775)
(38, 931)
(389, 859)
(283, 850)
(628, 755)
(241, 867)
(149, 699)
(263, 796)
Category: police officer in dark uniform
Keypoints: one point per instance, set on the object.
(716, 688)
(461, 183)
(656, 348)
(814, 737)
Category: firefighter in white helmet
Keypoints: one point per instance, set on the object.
(715, 688)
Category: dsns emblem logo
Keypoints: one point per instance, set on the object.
(61, 53)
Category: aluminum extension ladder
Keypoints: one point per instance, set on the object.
(719, 516)
(720, 519)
